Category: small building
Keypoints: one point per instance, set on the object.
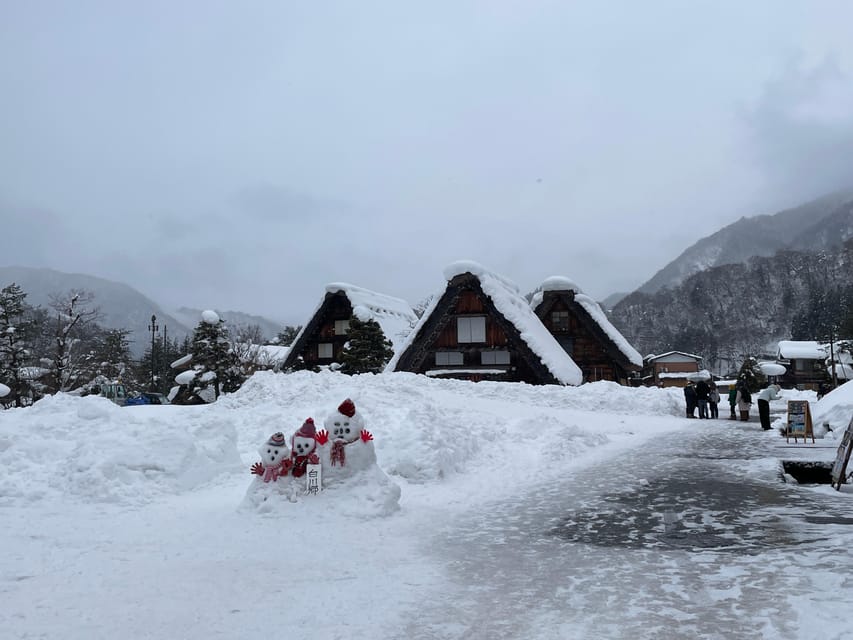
(582, 328)
(670, 369)
(805, 361)
(323, 337)
(482, 328)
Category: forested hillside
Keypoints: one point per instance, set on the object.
(725, 313)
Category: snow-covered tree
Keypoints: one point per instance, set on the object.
(287, 335)
(755, 378)
(75, 325)
(216, 366)
(17, 330)
(367, 349)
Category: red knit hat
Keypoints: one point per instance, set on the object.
(307, 430)
(347, 408)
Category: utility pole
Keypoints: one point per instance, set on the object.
(153, 329)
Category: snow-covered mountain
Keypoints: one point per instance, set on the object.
(122, 306)
(269, 328)
(820, 224)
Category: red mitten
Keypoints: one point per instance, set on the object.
(258, 469)
(322, 436)
(366, 435)
(314, 458)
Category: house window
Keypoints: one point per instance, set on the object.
(471, 329)
(325, 350)
(448, 358)
(801, 366)
(494, 357)
(341, 327)
(560, 320)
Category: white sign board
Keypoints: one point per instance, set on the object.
(313, 478)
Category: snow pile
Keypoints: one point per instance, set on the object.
(835, 408)
(95, 451)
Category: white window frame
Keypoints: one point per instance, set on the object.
(470, 329)
(341, 327)
(449, 358)
(325, 346)
(494, 357)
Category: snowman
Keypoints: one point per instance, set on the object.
(303, 448)
(346, 447)
(275, 459)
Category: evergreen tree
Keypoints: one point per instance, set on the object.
(216, 365)
(17, 330)
(755, 378)
(367, 349)
(287, 335)
(114, 361)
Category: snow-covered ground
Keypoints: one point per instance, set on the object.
(127, 522)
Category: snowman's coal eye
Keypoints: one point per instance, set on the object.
(346, 424)
(337, 424)
(347, 430)
(276, 451)
(269, 450)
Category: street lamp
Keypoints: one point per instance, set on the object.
(153, 329)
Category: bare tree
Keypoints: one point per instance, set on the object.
(76, 321)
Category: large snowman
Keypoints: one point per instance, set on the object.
(350, 471)
(346, 447)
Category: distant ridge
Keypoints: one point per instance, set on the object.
(823, 223)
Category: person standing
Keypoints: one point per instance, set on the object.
(690, 399)
(744, 399)
(732, 401)
(703, 391)
(764, 398)
(714, 400)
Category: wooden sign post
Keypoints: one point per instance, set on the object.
(314, 479)
(839, 469)
(799, 421)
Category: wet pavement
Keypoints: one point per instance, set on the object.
(691, 535)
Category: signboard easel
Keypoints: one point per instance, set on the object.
(839, 468)
(799, 421)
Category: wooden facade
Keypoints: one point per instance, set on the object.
(466, 337)
(598, 357)
(323, 338)
(670, 369)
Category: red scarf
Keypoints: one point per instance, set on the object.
(276, 472)
(338, 453)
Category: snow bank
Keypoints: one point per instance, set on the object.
(835, 408)
(425, 431)
(92, 450)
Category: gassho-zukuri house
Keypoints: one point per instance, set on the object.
(324, 335)
(482, 328)
(581, 327)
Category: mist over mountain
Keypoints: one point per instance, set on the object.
(819, 224)
(121, 306)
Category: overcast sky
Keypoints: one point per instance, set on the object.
(241, 155)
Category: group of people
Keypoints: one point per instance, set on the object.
(705, 396)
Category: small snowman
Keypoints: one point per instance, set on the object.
(303, 448)
(346, 447)
(275, 459)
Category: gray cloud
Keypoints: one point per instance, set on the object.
(243, 156)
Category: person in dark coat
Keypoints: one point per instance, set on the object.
(703, 391)
(732, 402)
(690, 399)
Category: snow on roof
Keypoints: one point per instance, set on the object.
(560, 283)
(508, 300)
(394, 315)
(651, 357)
(801, 349)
